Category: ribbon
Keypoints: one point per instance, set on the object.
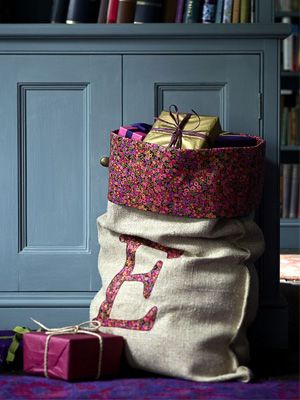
(16, 340)
(84, 327)
(176, 135)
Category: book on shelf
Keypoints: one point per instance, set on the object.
(298, 211)
(219, 11)
(148, 11)
(289, 122)
(126, 11)
(293, 136)
(112, 11)
(192, 11)
(245, 11)
(169, 10)
(236, 11)
(286, 188)
(209, 9)
(82, 11)
(102, 15)
(284, 127)
(179, 11)
(227, 11)
(252, 11)
(289, 190)
(291, 48)
(59, 11)
(293, 211)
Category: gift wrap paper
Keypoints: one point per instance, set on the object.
(72, 357)
(209, 126)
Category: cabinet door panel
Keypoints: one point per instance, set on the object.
(210, 84)
(52, 185)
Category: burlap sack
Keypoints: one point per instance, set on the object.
(181, 291)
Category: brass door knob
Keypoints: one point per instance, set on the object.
(104, 161)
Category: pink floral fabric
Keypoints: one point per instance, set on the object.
(205, 183)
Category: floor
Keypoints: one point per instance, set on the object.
(29, 388)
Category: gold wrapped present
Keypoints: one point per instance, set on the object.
(184, 130)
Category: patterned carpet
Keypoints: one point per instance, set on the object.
(25, 387)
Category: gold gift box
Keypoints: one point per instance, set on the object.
(203, 124)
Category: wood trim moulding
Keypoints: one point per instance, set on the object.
(141, 31)
(160, 88)
(23, 89)
(46, 299)
(291, 223)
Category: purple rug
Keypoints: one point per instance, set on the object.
(27, 387)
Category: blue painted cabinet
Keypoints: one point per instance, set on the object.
(211, 84)
(63, 88)
(55, 117)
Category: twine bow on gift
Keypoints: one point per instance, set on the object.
(84, 327)
(177, 128)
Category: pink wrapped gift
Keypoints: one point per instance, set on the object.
(72, 357)
(125, 130)
(131, 132)
(138, 135)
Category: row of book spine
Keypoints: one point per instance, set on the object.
(136, 11)
(289, 190)
(289, 126)
(291, 48)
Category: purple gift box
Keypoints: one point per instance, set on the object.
(72, 357)
(234, 140)
(142, 126)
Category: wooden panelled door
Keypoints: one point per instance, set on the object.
(52, 187)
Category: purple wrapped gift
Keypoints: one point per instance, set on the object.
(234, 140)
(142, 127)
(131, 132)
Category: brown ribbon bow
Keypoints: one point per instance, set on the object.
(176, 128)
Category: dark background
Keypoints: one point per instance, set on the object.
(25, 11)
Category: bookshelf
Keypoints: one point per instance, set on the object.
(65, 84)
(37, 11)
(289, 152)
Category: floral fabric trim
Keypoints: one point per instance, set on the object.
(205, 183)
